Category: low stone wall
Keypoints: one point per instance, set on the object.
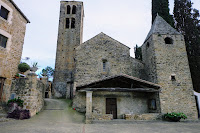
(31, 91)
(102, 116)
(149, 116)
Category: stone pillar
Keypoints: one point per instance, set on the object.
(88, 107)
(31, 98)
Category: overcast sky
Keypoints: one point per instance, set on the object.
(127, 21)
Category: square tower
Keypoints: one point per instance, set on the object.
(70, 34)
(166, 64)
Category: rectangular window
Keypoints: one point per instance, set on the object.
(67, 23)
(3, 41)
(152, 104)
(104, 66)
(73, 23)
(4, 13)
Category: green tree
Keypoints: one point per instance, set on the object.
(161, 7)
(48, 71)
(188, 23)
(138, 52)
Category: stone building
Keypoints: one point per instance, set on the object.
(69, 37)
(106, 82)
(12, 31)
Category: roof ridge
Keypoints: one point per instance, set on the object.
(102, 34)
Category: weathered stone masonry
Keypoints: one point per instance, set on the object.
(69, 38)
(30, 90)
(167, 65)
(85, 72)
(14, 29)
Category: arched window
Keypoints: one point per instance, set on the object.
(67, 23)
(73, 23)
(74, 10)
(168, 40)
(68, 9)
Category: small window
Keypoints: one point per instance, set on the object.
(173, 77)
(74, 10)
(148, 44)
(68, 9)
(152, 104)
(4, 13)
(73, 23)
(104, 65)
(168, 40)
(3, 41)
(67, 23)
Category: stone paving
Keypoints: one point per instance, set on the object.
(57, 117)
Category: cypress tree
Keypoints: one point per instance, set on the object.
(161, 7)
(138, 52)
(188, 23)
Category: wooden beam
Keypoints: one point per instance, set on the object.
(120, 89)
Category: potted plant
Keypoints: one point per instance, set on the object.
(23, 67)
(34, 67)
(17, 76)
(175, 117)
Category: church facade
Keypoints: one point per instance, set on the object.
(107, 83)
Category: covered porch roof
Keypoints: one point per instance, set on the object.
(120, 83)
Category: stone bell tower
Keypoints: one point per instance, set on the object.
(166, 64)
(70, 34)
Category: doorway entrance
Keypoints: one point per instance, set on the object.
(111, 107)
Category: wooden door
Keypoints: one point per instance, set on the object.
(111, 107)
(1, 87)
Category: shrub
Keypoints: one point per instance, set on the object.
(23, 67)
(174, 116)
(18, 101)
(19, 114)
(15, 109)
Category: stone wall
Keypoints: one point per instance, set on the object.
(31, 91)
(68, 40)
(137, 67)
(127, 103)
(14, 28)
(149, 116)
(102, 116)
(149, 59)
(91, 54)
(162, 61)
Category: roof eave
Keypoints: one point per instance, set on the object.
(19, 11)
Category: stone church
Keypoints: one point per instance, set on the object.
(107, 83)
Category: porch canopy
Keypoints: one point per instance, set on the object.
(120, 83)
